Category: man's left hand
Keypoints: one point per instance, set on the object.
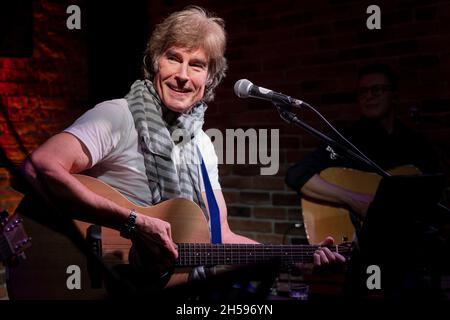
(324, 256)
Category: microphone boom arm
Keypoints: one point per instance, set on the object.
(290, 117)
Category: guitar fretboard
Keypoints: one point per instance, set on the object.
(196, 254)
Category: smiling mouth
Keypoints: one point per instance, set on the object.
(179, 90)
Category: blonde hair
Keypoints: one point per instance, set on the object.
(191, 28)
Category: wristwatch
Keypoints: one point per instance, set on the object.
(129, 225)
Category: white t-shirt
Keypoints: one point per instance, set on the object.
(109, 134)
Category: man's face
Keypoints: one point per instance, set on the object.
(181, 77)
(375, 96)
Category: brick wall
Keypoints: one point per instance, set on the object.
(312, 50)
(43, 93)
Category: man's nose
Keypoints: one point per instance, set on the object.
(182, 73)
(370, 94)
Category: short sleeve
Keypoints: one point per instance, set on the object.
(211, 161)
(101, 128)
(298, 174)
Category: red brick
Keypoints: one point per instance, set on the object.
(309, 141)
(230, 196)
(295, 214)
(225, 170)
(255, 197)
(250, 225)
(9, 89)
(236, 182)
(246, 170)
(14, 63)
(285, 199)
(281, 170)
(275, 213)
(276, 63)
(238, 211)
(288, 229)
(291, 142)
(294, 156)
(11, 75)
(268, 183)
(314, 30)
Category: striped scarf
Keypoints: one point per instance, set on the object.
(159, 129)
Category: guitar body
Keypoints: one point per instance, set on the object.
(323, 219)
(43, 274)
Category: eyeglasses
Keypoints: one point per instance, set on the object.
(375, 90)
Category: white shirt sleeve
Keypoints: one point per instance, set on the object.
(211, 160)
(101, 128)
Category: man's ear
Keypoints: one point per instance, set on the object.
(209, 81)
(155, 66)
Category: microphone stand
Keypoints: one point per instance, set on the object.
(291, 118)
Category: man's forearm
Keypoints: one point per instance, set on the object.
(319, 189)
(55, 183)
(236, 238)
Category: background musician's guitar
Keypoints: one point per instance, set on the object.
(323, 219)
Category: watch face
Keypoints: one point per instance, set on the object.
(129, 225)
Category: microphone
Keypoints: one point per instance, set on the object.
(244, 88)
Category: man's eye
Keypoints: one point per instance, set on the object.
(198, 65)
(173, 57)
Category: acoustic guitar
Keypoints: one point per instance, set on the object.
(323, 219)
(45, 272)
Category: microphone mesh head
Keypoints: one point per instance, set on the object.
(242, 88)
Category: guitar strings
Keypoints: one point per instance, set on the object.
(194, 254)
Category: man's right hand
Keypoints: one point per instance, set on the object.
(154, 244)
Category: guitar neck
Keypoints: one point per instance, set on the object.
(197, 254)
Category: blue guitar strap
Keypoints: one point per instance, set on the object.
(214, 212)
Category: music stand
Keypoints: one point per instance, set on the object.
(397, 233)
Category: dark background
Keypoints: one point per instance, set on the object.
(311, 50)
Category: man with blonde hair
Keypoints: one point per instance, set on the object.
(148, 145)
